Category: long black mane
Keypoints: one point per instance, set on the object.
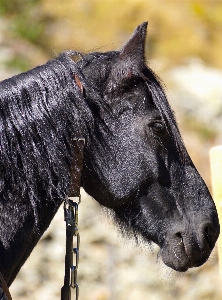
(39, 111)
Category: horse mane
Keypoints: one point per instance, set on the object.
(40, 110)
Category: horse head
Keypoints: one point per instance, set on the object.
(136, 163)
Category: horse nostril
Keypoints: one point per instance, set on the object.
(179, 235)
(179, 238)
(207, 230)
(210, 235)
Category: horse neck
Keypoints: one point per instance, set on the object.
(40, 113)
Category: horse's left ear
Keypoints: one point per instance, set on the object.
(130, 60)
(133, 52)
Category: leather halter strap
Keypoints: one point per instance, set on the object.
(76, 174)
(5, 288)
(77, 166)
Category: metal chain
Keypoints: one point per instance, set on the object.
(71, 210)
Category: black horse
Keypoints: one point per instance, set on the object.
(135, 162)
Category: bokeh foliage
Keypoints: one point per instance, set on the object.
(177, 29)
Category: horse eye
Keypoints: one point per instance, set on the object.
(157, 127)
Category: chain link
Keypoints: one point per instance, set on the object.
(71, 211)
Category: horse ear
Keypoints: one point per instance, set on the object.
(134, 50)
(130, 60)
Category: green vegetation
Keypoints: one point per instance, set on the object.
(177, 29)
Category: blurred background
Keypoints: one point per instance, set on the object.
(184, 45)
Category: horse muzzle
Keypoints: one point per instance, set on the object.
(187, 249)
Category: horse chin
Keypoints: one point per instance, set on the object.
(179, 257)
(175, 260)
